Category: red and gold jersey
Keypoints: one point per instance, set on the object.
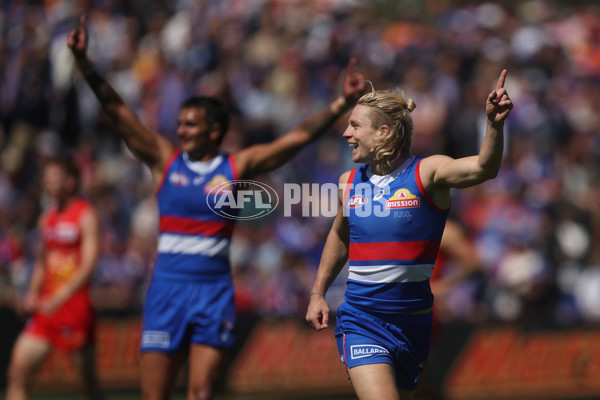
(61, 236)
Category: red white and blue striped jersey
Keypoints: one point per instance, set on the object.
(395, 234)
(193, 241)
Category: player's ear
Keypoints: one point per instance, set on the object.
(382, 131)
(215, 132)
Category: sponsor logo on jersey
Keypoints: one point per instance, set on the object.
(156, 339)
(366, 350)
(217, 185)
(179, 179)
(403, 198)
(379, 195)
(63, 233)
(356, 200)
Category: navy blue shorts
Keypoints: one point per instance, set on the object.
(401, 340)
(177, 314)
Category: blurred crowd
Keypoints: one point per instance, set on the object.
(535, 229)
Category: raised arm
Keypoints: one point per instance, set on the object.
(147, 145)
(333, 259)
(445, 172)
(262, 158)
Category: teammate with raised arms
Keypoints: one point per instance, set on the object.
(189, 305)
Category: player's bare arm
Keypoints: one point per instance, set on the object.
(30, 300)
(31, 297)
(439, 172)
(333, 259)
(90, 250)
(263, 158)
(455, 244)
(150, 147)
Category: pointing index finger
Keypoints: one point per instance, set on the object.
(350, 66)
(501, 79)
(83, 22)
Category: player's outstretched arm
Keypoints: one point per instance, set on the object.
(333, 259)
(469, 171)
(262, 158)
(147, 145)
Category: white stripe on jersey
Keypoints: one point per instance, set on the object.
(390, 273)
(382, 181)
(203, 167)
(193, 245)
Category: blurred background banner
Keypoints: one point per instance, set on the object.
(286, 358)
(533, 232)
(504, 362)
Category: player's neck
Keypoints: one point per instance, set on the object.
(63, 202)
(200, 155)
(383, 168)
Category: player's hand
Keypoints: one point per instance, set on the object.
(77, 41)
(498, 104)
(317, 314)
(354, 83)
(48, 306)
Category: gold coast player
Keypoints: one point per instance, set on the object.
(59, 290)
(389, 226)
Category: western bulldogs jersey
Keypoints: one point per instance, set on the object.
(395, 234)
(194, 240)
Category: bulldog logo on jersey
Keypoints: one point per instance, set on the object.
(403, 198)
(218, 182)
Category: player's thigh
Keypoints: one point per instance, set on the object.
(159, 373)
(205, 364)
(375, 382)
(28, 353)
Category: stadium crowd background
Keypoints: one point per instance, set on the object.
(535, 228)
